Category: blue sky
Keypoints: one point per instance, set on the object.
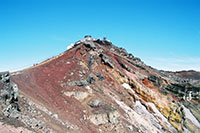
(163, 33)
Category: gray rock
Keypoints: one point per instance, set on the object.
(100, 77)
(125, 67)
(15, 90)
(90, 79)
(112, 49)
(103, 42)
(5, 94)
(114, 117)
(90, 62)
(5, 77)
(122, 50)
(107, 117)
(106, 60)
(82, 73)
(90, 44)
(99, 119)
(96, 103)
(14, 114)
(130, 56)
(9, 96)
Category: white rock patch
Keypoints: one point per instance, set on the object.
(141, 110)
(127, 86)
(136, 119)
(157, 113)
(70, 46)
(77, 94)
(190, 116)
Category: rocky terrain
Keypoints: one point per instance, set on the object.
(191, 74)
(95, 86)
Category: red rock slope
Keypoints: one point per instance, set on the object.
(97, 87)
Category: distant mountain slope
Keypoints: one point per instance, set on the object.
(187, 74)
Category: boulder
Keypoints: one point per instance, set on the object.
(5, 77)
(106, 60)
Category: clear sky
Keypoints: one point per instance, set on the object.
(163, 33)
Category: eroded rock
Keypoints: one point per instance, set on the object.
(106, 60)
(106, 117)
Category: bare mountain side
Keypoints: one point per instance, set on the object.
(194, 75)
(95, 86)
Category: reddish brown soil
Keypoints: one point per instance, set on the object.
(148, 83)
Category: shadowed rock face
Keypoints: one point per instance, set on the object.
(97, 87)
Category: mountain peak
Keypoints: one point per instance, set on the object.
(95, 86)
(89, 39)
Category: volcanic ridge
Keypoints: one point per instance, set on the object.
(95, 86)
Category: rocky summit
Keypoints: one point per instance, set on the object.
(95, 86)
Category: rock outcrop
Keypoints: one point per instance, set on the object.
(9, 96)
